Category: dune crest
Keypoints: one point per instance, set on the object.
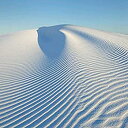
(51, 40)
(64, 76)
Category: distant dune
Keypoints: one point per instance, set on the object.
(64, 76)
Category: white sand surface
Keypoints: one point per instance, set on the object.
(64, 76)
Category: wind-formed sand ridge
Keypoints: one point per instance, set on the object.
(64, 76)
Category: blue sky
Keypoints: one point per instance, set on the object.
(108, 15)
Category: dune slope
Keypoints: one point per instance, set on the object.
(64, 77)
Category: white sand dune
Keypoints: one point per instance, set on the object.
(64, 77)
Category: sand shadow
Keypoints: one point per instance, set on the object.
(51, 40)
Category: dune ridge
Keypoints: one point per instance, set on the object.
(64, 76)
